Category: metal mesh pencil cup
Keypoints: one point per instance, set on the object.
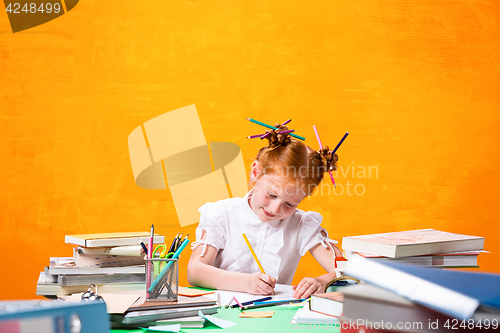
(162, 279)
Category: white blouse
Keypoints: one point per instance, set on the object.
(278, 245)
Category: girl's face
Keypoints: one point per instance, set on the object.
(274, 197)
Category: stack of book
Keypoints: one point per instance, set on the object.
(407, 298)
(112, 261)
(322, 309)
(427, 247)
(159, 313)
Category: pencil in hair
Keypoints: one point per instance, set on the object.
(321, 147)
(255, 136)
(272, 127)
(342, 140)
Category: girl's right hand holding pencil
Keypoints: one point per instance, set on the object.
(259, 284)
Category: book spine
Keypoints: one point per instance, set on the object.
(355, 245)
(89, 261)
(73, 240)
(121, 241)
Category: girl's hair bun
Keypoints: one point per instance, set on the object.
(330, 159)
(293, 159)
(276, 138)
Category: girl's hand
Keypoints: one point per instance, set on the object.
(308, 286)
(259, 284)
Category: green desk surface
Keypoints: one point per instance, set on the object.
(280, 322)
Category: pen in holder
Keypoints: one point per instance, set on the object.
(163, 281)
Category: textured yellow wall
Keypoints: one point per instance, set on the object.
(417, 84)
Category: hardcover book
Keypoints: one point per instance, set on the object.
(412, 243)
(453, 293)
(327, 303)
(441, 260)
(112, 239)
(369, 303)
(66, 265)
(48, 288)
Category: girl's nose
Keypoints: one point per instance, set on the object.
(275, 207)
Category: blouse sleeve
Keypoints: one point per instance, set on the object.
(212, 221)
(311, 233)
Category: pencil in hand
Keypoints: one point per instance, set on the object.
(255, 257)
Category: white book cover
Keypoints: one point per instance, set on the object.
(412, 243)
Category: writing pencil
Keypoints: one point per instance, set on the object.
(144, 248)
(172, 247)
(241, 306)
(272, 303)
(255, 300)
(321, 147)
(255, 136)
(178, 242)
(267, 134)
(272, 127)
(342, 140)
(254, 255)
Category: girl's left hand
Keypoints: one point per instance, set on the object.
(308, 286)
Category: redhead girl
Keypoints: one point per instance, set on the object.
(283, 174)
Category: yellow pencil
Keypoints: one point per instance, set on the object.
(255, 256)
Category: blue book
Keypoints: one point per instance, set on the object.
(457, 294)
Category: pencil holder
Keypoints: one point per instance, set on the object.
(162, 279)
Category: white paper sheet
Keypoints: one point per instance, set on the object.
(216, 321)
(164, 328)
(306, 316)
(282, 291)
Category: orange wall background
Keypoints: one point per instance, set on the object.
(417, 84)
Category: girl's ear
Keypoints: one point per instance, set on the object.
(254, 173)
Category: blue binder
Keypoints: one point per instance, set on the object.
(53, 317)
